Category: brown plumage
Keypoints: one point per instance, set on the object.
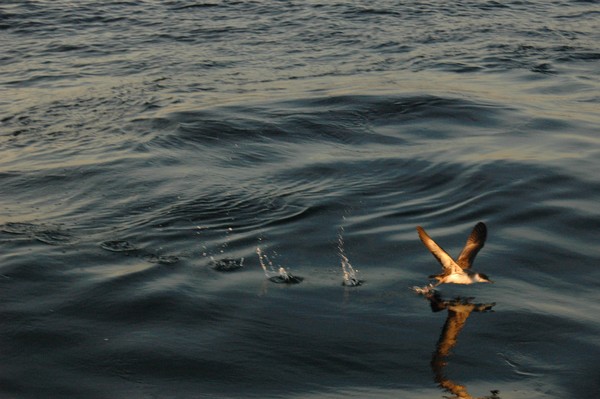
(459, 271)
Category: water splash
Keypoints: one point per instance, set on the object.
(264, 261)
(226, 264)
(280, 275)
(350, 275)
(218, 261)
(427, 290)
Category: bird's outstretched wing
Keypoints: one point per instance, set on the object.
(474, 244)
(442, 256)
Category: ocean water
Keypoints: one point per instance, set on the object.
(151, 150)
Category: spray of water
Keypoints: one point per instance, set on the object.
(277, 276)
(219, 261)
(266, 264)
(427, 290)
(349, 274)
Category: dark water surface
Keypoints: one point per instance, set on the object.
(147, 149)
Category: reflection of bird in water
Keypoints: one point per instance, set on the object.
(459, 271)
(459, 310)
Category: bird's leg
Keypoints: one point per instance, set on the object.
(430, 289)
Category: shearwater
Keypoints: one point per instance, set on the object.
(459, 271)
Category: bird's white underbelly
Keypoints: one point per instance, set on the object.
(459, 279)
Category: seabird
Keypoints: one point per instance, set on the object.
(459, 271)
